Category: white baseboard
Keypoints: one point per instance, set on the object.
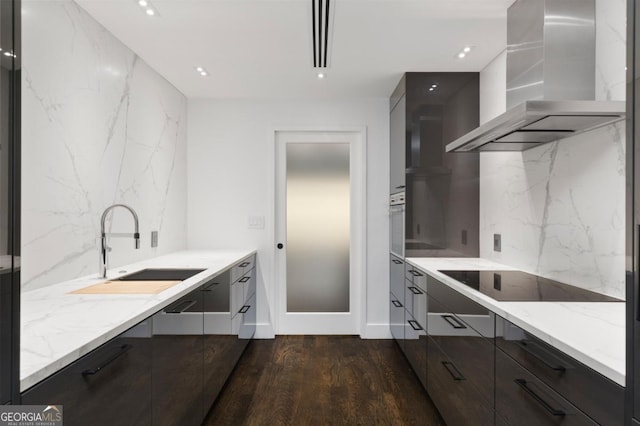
(371, 331)
(376, 331)
(264, 330)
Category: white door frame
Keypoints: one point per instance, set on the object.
(358, 294)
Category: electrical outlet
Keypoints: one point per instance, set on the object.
(497, 242)
(154, 238)
(464, 237)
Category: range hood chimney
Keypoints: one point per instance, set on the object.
(550, 79)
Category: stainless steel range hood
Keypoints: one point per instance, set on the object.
(550, 79)
(533, 123)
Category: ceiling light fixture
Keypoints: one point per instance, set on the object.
(321, 75)
(463, 53)
(147, 7)
(203, 72)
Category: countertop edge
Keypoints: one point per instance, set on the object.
(186, 286)
(501, 309)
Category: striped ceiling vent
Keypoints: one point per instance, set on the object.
(322, 24)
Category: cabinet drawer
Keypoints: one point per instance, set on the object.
(240, 291)
(239, 270)
(472, 353)
(415, 347)
(459, 402)
(415, 302)
(416, 276)
(109, 386)
(522, 399)
(244, 322)
(396, 276)
(396, 319)
(593, 393)
(451, 301)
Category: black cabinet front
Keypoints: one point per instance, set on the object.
(109, 386)
(396, 319)
(596, 395)
(459, 402)
(522, 399)
(178, 362)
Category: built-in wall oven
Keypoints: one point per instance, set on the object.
(396, 223)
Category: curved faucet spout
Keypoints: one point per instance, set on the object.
(103, 247)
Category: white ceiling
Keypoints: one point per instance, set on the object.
(262, 48)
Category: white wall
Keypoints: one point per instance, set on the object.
(229, 180)
(99, 127)
(560, 207)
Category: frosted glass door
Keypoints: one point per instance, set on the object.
(317, 227)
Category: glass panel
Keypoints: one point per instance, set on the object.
(318, 229)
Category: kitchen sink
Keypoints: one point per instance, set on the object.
(161, 274)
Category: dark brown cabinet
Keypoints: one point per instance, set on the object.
(427, 111)
(596, 395)
(462, 367)
(167, 370)
(522, 399)
(177, 363)
(109, 386)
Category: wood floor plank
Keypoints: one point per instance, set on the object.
(323, 380)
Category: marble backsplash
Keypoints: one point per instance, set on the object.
(560, 207)
(99, 127)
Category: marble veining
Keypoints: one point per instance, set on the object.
(593, 333)
(560, 207)
(99, 127)
(57, 328)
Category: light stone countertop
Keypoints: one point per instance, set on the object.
(591, 332)
(58, 328)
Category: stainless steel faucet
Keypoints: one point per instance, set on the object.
(104, 248)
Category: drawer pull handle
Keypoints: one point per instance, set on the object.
(244, 309)
(453, 321)
(453, 370)
(245, 279)
(414, 324)
(123, 349)
(416, 273)
(396, 304)
(539, 352)
(415, 290)
(523, 384)
(397, 262)
(209, 286)
(180, 307)
(245, 264)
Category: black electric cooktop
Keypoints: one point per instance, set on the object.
(518, 286)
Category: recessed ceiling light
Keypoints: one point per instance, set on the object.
(147, 7)
(464, 51)
(203, 72)
(321, 75)
(431, 89)
(434, 85)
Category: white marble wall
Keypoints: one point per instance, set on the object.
(560, 207)
(99, 127)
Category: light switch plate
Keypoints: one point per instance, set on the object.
(256, 222)
(154, 238)
(497, 242)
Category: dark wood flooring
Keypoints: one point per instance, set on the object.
(323, 380)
